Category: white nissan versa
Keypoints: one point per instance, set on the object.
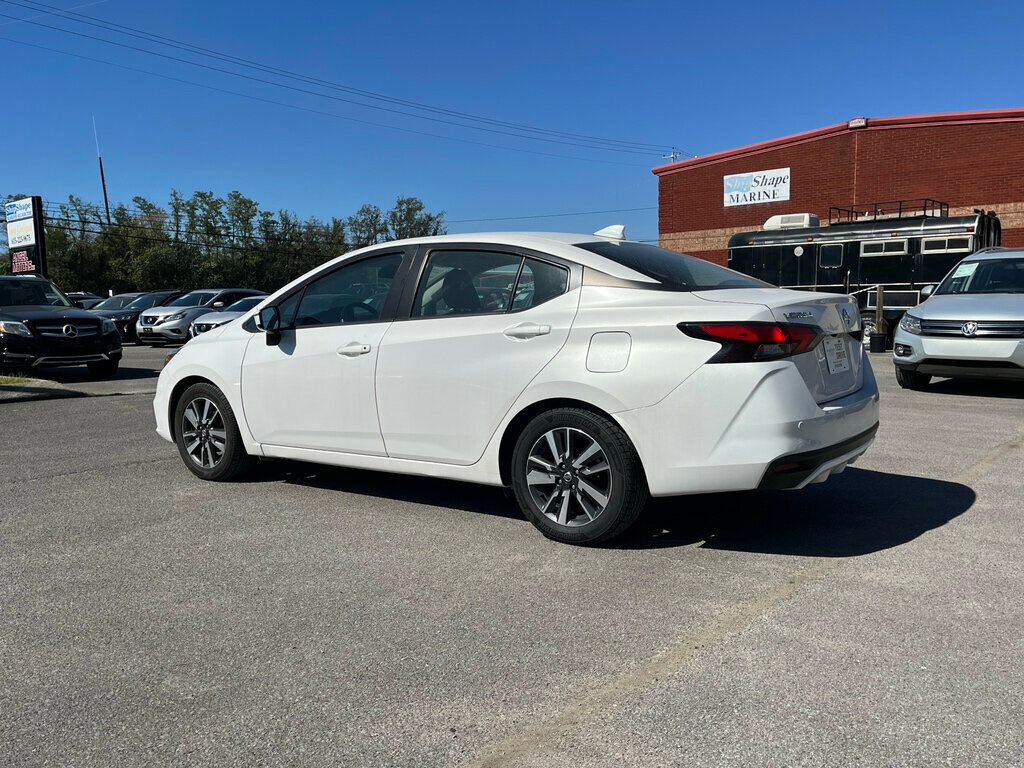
(585, 371)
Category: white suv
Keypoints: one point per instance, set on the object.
(586, 372)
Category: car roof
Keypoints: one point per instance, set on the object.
(22, 277)
(993, 254)
(561, 244)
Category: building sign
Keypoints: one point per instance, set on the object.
(26, 239)
(757, 187)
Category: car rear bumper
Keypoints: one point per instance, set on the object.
(956, 358)
(728, 426)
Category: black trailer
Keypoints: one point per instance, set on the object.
(901, 245)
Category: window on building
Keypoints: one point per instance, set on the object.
(830, 256)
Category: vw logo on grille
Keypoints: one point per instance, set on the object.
(969, 329)
(70, 331)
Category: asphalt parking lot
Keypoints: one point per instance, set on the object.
(314, 616)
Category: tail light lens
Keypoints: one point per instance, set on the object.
(755, 342)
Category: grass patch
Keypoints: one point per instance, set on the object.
(13, 380)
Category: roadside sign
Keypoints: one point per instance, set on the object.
(26, 239)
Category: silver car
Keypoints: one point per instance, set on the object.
(971, 326)
(170, 323)
(212, 320)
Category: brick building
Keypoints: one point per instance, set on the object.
(969, 160)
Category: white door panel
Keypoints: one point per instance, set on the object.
(445, 383)
(315, 388)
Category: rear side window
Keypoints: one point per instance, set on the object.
(674, 271)
(485, 282)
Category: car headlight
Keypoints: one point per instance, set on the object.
(14, 329)
(108, 326)
(911, 324)
(172, 318)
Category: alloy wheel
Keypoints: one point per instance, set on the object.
(569, 478)
(204, 432)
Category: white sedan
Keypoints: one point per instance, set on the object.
(587, 372)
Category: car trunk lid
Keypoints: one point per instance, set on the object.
(835, 367)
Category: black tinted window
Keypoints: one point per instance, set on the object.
(351, 294)
(538, 282)
(673, 270)
(830, 256)
(467, 283)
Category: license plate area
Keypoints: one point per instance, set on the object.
(837, 357)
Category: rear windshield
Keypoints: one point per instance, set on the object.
(673, 270)
(988, 276)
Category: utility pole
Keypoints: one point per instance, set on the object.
(672, 156)
(103, 176)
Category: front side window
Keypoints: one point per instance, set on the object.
(989, 276)
(467, 283)
(351, 294)
(675, 271)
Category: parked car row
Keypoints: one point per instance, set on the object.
(162, 317)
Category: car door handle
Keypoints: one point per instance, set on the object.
(527, 331)
(355, 349)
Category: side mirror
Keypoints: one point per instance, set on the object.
(77, 304)
(218, 305)
(269, 321)
(927, 291)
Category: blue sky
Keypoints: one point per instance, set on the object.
(702, 77)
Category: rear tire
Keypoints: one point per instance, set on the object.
(207, 435)
(103, 369)
(912, 379)
(577, 477)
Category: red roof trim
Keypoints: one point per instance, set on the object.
(981, 116)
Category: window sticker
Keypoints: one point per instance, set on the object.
(966, 269)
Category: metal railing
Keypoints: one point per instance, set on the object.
(888, 209)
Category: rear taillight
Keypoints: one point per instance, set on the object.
(753, 342)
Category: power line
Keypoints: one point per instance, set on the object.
(312, 110)
(238, 61)
(308, 92)
(551, 215)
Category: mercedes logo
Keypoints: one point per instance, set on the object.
(969, 329)
(70, 331)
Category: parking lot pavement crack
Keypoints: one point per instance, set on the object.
(540, 737)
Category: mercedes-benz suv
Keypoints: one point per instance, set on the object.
(40, 327)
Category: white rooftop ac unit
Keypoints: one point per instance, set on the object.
(792, 221)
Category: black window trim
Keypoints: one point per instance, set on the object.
(408, 301)
(390, 303)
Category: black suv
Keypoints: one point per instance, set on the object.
(40, 327)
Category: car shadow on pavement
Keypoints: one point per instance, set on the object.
(978, 388)
(855, 513)
(436, 492)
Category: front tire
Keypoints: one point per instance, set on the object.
(577, 477)
(207, 435)
(912, 379)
